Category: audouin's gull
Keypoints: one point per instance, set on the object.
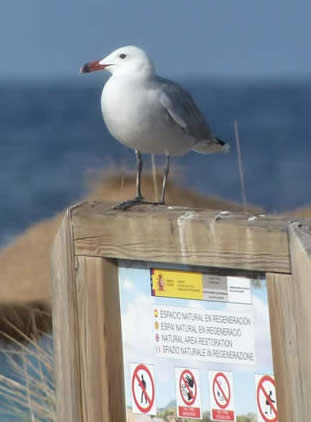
(150, 114)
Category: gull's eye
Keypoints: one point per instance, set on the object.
(122, 56)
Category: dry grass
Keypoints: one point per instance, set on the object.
(28, 392)
(114, 187)
(24, 321)
(304, 212)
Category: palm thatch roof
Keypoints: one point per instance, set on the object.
(25, 290)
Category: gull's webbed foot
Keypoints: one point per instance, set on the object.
(125, 205)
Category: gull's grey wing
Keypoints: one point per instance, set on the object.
(183, 111)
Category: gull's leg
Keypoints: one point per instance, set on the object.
(165, 177)
(139, 162)
(138, 200)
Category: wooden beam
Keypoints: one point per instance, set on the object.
(285, 347)
(65, 326)
(300, 249)
(182, 236)
(100, 339)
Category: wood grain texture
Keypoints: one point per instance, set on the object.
(65, 328)
(182, 236)
(300, 248)
(100, 340)
(285, 347)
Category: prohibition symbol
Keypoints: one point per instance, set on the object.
(188, 399)
(266, 401)
(221, 390)
(143, 389)
(221, 395)
(188, 387)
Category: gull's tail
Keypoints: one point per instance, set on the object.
(211, 146)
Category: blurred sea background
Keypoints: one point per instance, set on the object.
(53, 140)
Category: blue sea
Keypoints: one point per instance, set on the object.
(53, 137)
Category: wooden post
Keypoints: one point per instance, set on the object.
(284, 345)
(65, 326)
(87, 334)
(99, 338)
(300, 247)
(86, 310)
(192, 237)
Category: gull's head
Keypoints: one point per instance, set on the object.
(124, 60)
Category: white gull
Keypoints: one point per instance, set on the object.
(150, 114)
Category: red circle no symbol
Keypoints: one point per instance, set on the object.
(268, 400)
(217, 383)
(184, 384)
(150, 400)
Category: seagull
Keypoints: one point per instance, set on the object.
(150, 114)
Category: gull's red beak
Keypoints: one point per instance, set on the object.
(93, 66)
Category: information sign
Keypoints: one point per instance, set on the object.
(199, 340)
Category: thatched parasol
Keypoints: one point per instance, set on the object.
(25, 267)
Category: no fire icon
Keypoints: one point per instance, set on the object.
(221, 394)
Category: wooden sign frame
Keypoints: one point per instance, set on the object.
(86, 309)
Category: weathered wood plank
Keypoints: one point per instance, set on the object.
(182, 236)
(65, 328)
(102, 383)
(300, 248)
(285, 347)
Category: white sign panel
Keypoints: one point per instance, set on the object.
(227, 289)
(212, 336)
(239, 290)
(199, 339)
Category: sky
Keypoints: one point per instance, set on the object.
(254, 38)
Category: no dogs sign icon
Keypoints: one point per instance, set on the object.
(266, 399)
